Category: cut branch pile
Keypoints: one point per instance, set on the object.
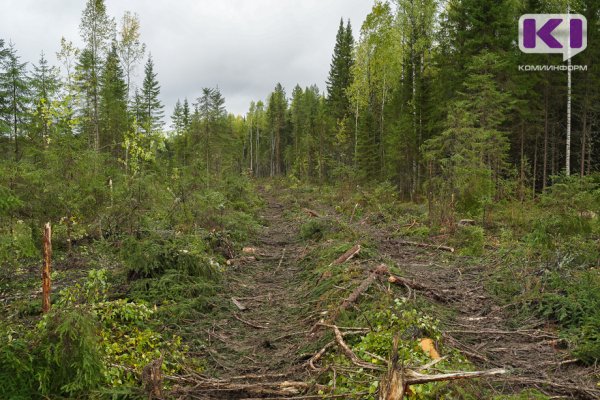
(397, 378)
(443, 296)
(240, 386)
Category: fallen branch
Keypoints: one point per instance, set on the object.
(350, 354)
(311, 362)
(397, 379)
(569, 389)
(280, 260)
(425, 245)
(413, 284)
(360, 289)
(527, 332)
(352, 331)
(312, 213)
(315, 396)
(353, 251)
(252, 324)
(415, 378)
(239, 305)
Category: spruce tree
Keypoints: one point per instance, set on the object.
(14, 86)
(470, 155)
(177, 118)
(276, 114)
(152, 109)
(186, 117)
(340, 76)
(113, 104)
(207, 127)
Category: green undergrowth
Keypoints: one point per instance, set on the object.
(385, 312)
(124, 298)
(551, 246)
(543, 253)
(86, 347)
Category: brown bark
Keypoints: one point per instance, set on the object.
(426, 245)
(347, 255)
(393, 386)
(152, 379)
(360, 289)
(47, 249)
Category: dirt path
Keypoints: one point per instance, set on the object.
(254, 349)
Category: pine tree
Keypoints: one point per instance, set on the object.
(152, 110)
(340, 76)
(113, 104)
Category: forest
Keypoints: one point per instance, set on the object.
(423, 226)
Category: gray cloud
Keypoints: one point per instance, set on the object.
(243, 46)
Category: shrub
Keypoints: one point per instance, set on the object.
(471, 240)
(314, 229)
(153, 256)
(68, 360)
(16, 365)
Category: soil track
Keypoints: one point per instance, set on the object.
(255, 350)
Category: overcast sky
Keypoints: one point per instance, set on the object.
(243, 46)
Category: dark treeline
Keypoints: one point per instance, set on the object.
(431, 98)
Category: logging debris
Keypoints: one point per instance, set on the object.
(348, 255)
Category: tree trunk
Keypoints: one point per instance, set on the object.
(584, 132)
(568, 144)
(47, 250)
(545, 173)
(522, 174)
(535, 156)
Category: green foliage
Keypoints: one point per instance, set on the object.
(471, 240)
(572, 299)
(16, 364)
(129, 345)
(19, 246)
(152, 257)
(314, 229)
(401, 319)
(550, 254)
(84, 344)
(8, 202)
(471, 153)
(70, 353)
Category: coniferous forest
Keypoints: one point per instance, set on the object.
(424, 226)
